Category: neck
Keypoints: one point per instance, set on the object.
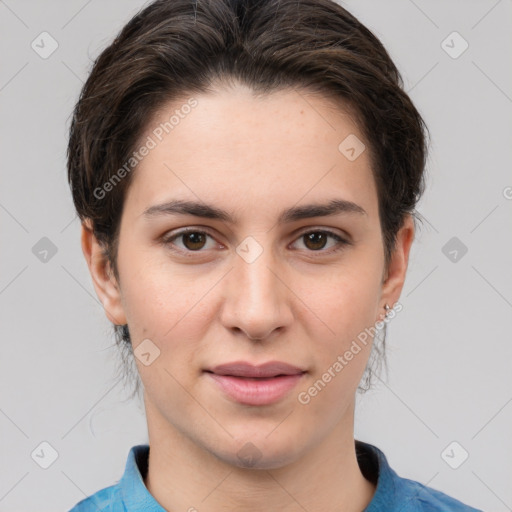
(182, 475)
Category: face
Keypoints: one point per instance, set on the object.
(253, 286)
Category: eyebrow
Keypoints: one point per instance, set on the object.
(200, 209)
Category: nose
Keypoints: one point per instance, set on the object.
(257, 297)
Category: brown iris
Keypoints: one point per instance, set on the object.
(317, 238)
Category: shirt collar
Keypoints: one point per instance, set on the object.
(372, 461)
(134, 493)
(376, 469)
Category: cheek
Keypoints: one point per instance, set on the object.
(347, 302)
(172, 311)
(344, 328)
(157, 297)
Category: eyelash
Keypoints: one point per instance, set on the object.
(167, 240)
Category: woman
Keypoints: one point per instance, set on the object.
(246, 175)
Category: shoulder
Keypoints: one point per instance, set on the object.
(104, 500)
(417, 497)
(129, 493)
(394, 493)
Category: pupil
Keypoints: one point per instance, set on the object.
(313, 237)
(195, 239)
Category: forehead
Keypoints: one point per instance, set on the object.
(237, 149)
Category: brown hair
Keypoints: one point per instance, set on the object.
(171, 49)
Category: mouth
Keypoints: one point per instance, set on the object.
(247, 384)
(270, 369)
(251, 378)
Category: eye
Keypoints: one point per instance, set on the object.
(316, 240)
(194, 240)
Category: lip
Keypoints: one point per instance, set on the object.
(245, 369)
(256, 385)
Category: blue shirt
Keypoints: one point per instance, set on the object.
(393, 493)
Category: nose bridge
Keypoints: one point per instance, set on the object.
(255, 269)
(256, 301)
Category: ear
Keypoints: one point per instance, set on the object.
(394, 275)
(107, 289)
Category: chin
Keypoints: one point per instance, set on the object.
(259, 452)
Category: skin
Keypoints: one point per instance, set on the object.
(253, 157)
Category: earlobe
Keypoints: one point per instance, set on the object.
(104, 282)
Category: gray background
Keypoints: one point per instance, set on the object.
(449, 348)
